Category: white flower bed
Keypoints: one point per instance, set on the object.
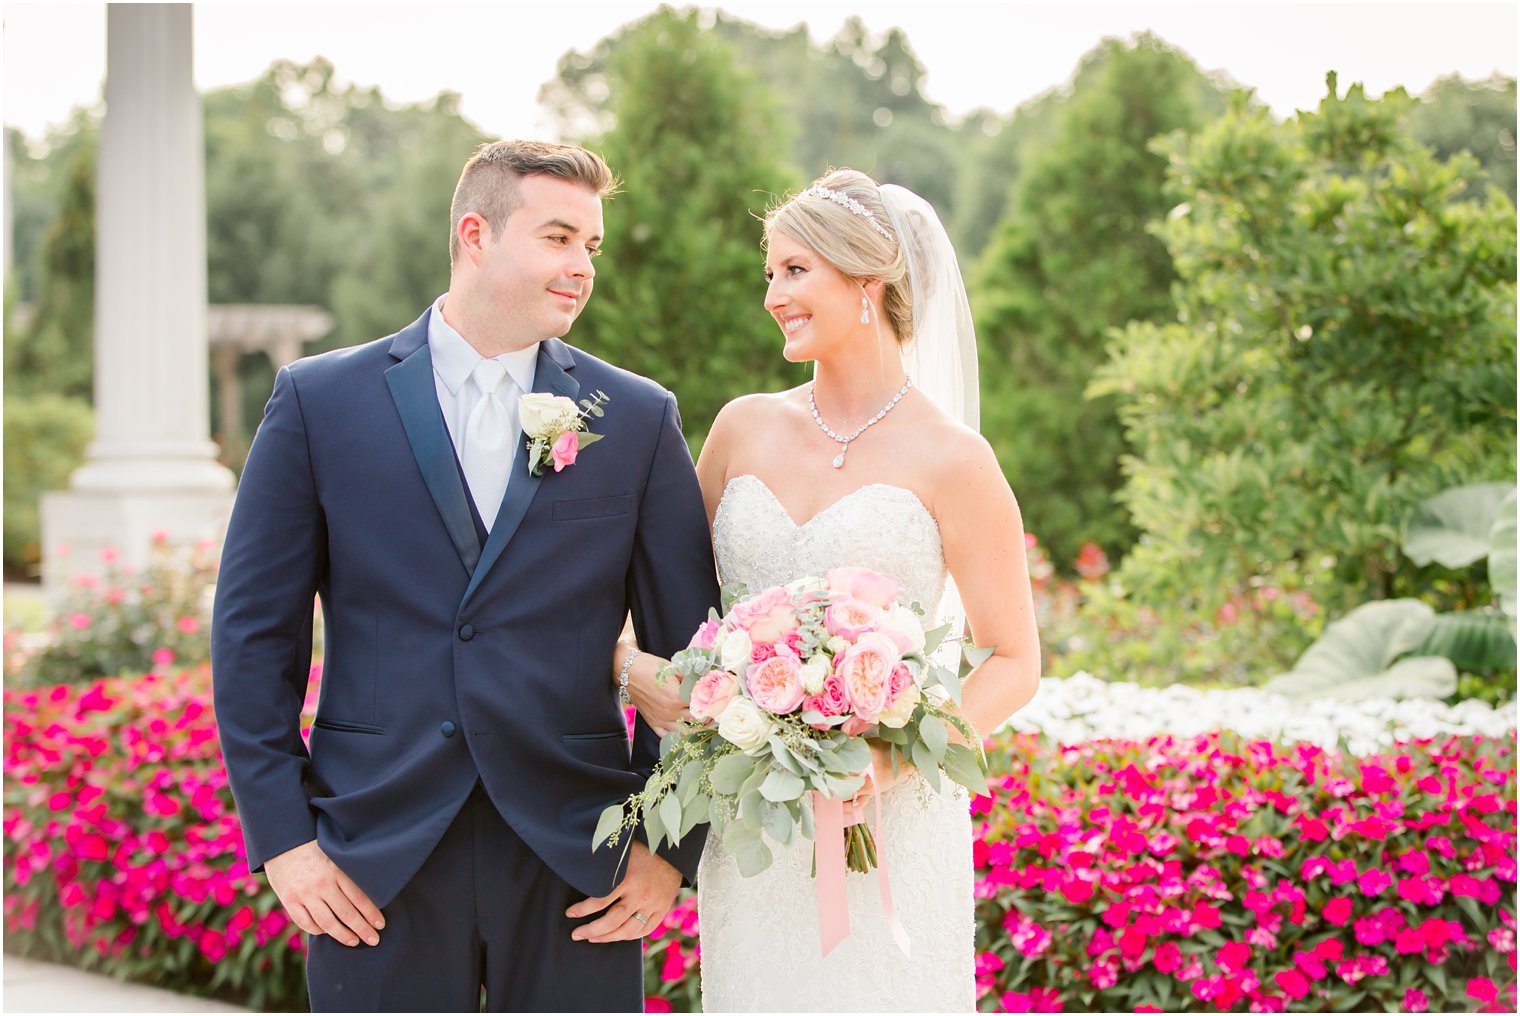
(1081, 707)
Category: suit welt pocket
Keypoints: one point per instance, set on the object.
(592, 508)
(347, 727)
(601, 735)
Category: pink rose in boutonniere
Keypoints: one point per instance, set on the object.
(565, 449)
(556, 428)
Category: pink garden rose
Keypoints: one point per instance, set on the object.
(566, 447)
(851, 618)
(711, 694)
(703, 639)
(776, 684)
(866, 670)
(767, 616)
(863, 584)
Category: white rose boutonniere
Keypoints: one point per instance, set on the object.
(556, 428)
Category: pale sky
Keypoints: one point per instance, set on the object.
(498, 55)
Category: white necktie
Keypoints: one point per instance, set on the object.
(490, 439)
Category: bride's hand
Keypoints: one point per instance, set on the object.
(881, 766)
(661, 708)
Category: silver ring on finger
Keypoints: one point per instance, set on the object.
(640, 918)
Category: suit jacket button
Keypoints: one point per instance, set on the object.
(447, 728)
(466, 632)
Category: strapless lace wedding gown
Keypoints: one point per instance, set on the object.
(760, 948)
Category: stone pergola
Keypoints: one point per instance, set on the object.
(152, 466)
(277, 330)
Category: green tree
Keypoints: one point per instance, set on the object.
(1455, 115)
(855, 101)
(1343, 347)
(54, 350)
(679, 290)
(1072, 260)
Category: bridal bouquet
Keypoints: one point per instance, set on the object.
(784, 689)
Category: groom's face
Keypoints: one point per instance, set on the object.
(536, 267)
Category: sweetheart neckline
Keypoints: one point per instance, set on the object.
(723, 498)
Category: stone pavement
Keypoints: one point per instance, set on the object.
(34, 986)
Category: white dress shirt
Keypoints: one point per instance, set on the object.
(454, 361)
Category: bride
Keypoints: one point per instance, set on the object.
(876, 463)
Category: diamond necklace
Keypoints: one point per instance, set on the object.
(845, 441)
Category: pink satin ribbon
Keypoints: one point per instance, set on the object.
(833, 903)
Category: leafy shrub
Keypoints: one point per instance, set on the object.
(45, 438)
(126, 622)
(1095, 626)
(1310, 392)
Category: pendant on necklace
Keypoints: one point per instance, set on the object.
(839, 459)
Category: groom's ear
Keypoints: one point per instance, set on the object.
(473, 232)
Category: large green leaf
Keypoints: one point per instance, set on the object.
(1355, 657)
(1474, 640)
(1501, 555)
(1454, 527)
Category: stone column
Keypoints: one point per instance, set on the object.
(152, 466)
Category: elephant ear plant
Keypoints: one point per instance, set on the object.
(1405, 649)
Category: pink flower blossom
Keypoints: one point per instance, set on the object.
(711, 694)
(776, 684)
(566, 447)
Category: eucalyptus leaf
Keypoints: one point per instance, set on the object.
(782, 754)
(780, 785)
(654, 828)
(928, 766)
(611, 820)
(753, 857)
(750, 815)
(694, 813)
(805, 820)
(950, 681)
(689, 780)
(935, 734)
(588, 438)
(730, 772)
(778, 823)
(933, 637)
(854, 755)
(964, 766)
(978, 655)
(670, 817)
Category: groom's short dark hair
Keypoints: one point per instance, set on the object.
(488, 184)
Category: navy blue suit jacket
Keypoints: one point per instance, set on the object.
(445, 660)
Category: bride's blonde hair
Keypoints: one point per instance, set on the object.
(860, 246)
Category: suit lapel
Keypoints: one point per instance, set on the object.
(416, 396)
(551, 376)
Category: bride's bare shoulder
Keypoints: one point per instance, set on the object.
(757, 410)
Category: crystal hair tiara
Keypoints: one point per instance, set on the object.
(849, 204)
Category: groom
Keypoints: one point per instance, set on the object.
(468, 732)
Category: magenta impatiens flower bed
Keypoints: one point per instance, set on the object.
(1215, 874)
(1206, 874)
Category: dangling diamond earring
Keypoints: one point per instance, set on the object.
(865, 310)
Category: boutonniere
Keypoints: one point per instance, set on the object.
(556, 428)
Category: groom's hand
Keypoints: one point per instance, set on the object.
(320, 899)
(647, 892)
